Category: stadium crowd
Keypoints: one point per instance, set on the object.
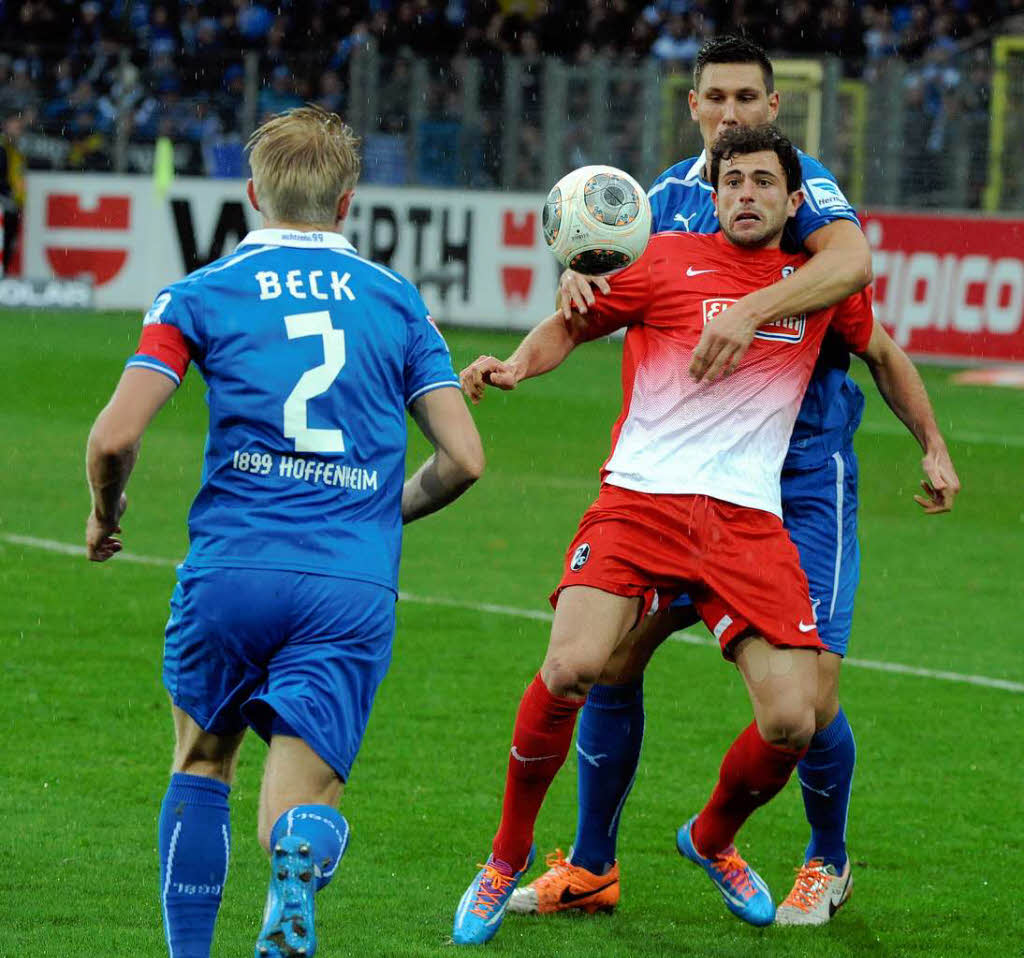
(75, 70)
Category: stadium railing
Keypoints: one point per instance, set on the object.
(915, 135)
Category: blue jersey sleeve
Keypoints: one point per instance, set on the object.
(823, 203)
(171, 334)
(428, 364)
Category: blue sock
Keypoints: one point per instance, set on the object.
(826, 775)
(195, 843)
(325, 829)
(608, 740)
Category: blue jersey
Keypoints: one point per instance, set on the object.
(832, 407)
(310, 355)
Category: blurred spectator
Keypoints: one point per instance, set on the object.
(18, 93)
(280, 95)
(676, 45)
(12, 185)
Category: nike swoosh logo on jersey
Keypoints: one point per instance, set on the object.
(803, 627)
(690, 271)
(524, 759)
(568, 897)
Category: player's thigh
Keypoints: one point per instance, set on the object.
(589, 623)
(198, 752)
(222, 631)
(322, 681)
(782, 684)
(630, 658)
(819, 510)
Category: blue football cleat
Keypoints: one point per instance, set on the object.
(745, 893)
(482, 907)
(288, 919)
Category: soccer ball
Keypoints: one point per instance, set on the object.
(597, 219)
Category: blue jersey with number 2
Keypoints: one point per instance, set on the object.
(310, 355)
(832, 406)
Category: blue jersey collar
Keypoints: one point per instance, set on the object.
(696, 172)
(316, 240)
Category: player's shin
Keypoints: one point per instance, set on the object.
(540, 743)
(195, 844)
(826, 777)
(608, 742)
(753, 772)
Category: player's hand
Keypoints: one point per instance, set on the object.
(487, 371)
(100, 543)
(942, 484)
(574, 291)
(723, 343)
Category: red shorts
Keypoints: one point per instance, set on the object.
(738, 564)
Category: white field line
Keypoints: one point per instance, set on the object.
(691, 638)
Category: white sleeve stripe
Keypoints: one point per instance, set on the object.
(376, 266)
(142, 364)
(668, 181)
(426, 389)
(239, 258)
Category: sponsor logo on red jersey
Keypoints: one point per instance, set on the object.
(788, 330)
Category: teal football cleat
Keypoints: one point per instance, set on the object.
(482, 907)
(288, 919)
(745, 893)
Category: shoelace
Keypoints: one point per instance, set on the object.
(490, 891)
(733, 870)
(808, 886)
(556, 861)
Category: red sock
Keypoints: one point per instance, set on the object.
(752, 773)
(540, 742)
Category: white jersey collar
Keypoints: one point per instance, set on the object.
(696, 171)
(316, 239)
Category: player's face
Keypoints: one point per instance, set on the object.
(752, 199)
(731, 94)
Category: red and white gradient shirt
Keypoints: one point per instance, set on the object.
(728, 438)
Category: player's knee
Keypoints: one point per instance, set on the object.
(566, 678)
(788, 726)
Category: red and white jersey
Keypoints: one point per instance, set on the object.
(728, 438)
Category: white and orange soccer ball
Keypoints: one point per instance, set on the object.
(597, 219)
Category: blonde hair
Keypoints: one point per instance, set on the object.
(302, 161)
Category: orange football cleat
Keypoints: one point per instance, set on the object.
(565, 886)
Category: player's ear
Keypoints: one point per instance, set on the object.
(692, 100)
(796, 199)
(250, 191)
(344, 202)
(773, 106)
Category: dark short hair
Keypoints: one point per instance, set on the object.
(732, 49)
(741, 140)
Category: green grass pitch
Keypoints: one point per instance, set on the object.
(935, 827)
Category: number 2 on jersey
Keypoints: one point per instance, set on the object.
(314, 382)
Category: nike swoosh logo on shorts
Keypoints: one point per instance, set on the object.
(568, 897)
(690, 271)
(805, 628)
(524, 759)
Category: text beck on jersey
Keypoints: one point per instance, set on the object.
(315, 284)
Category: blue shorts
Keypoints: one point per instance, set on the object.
(246, 646)
(819, 510)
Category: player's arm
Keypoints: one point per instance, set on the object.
(839, 266)
(902, 388)
(544, 347)
(112, 450)
(458, 459)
